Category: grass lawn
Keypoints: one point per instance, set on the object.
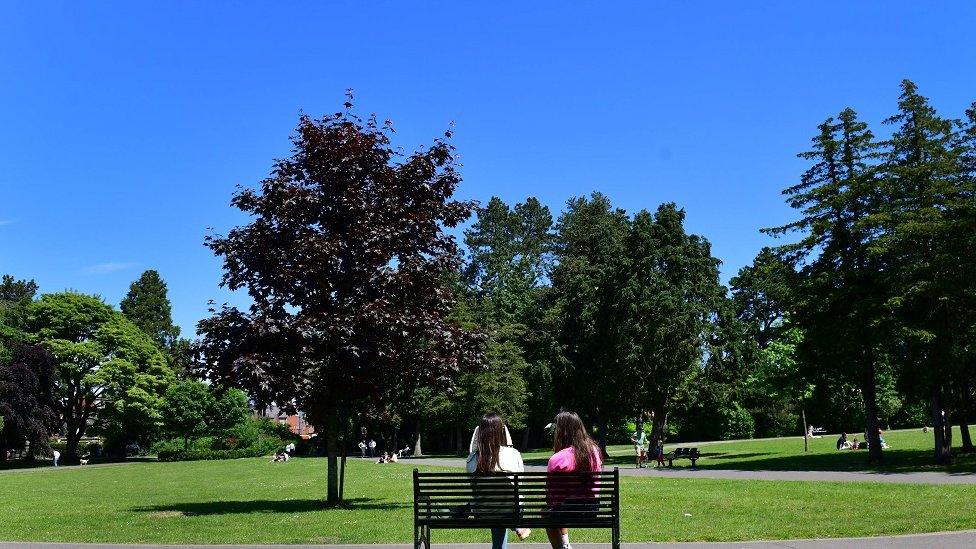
(911, 450)
(253, 501)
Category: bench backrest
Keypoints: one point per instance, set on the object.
(463, 500)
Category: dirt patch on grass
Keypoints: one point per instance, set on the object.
(170, 514)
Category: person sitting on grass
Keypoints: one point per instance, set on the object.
(854, 444)
(842, 441)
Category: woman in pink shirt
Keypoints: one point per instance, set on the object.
(573, 451)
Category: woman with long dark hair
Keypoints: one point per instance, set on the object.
(573, 451)
(492, 452)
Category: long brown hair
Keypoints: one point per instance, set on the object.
(570, 433)
(491, 438)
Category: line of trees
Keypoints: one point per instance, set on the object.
(366, 313)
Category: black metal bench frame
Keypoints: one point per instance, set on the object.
(512, 500)
(683, 453)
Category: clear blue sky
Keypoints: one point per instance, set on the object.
(127, 125)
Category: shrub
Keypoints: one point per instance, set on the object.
(265, 447)
(736, 422)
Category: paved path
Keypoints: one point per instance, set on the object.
(947, 540)
(927, 477)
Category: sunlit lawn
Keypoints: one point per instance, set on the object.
(911, 450)
(253, 501)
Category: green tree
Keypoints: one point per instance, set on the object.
(510, 253)
(15, 296)
(669, 296)
(839, 304)
(186, 408)
(589, 250)
(147, 306)
(230, 410)
(109, 371)
(761, 294)
(927, 228)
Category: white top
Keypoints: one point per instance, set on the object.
(509, 459)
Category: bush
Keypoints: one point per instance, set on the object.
(264, 448)
(255, 437)
(736, 422)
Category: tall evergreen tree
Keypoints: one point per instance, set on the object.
(589, 250)
(15, 296)
(668, 296)
(510, 253)
(761, 294)
(839, 306)
(147, 306)
(928, 223)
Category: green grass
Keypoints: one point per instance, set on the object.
(253, 501)
(911, 450)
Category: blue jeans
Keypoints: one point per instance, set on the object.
(499, 538)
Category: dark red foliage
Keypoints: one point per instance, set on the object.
(27, 398)
(345, 260)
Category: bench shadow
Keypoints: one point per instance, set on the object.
(266, 506)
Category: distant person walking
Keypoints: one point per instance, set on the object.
(56, 455)
(639, 439)
(362, 448)
(372, 448)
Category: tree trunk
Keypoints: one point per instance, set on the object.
(806, 437)
(961, 411)
(941, 427)
(659, 423)
(461, 448)
(603, 438)
(873, 437)
(417, 450)
(332, 450)
(525, 438)
(73, 440)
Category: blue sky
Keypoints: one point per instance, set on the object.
(126, 126)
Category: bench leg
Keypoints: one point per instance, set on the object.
(421, 537)
(670, 463)
(693, 460)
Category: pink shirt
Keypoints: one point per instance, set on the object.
(564, 461)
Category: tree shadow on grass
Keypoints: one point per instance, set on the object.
(264, 506)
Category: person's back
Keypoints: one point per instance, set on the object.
(491, 451)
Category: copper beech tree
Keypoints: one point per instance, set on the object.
(345, 260)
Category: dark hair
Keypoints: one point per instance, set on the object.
(491, 437)
(570, 433)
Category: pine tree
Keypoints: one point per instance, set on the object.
(148, 307)
(668, 296)
(838, 305)
(589, 250)
(927, 224)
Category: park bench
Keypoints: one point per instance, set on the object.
(683, 453)
(514, 500)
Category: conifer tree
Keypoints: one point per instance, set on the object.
(147, 306)
(927, 237)
(839, 306)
